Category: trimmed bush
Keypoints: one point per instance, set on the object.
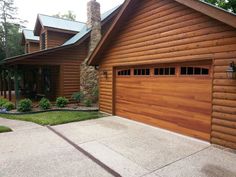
(8, 106)
(25, 105)
(3, 101)
(61, 102)
(78, 96)
(44, 104)
(88, 103)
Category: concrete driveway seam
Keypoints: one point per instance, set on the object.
(87, 154)
(121, 154)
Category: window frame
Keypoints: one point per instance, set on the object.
(194, 67)
(27, 48)
(43, 40)
(142, 68)
(124, 69)
(164, 68)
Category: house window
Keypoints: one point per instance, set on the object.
(43, 41)
(167, 71)
(125, 72)
(194, 71)
(27, 48)
(142, 72)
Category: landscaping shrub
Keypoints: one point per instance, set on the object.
(25, 105)
(61, 102)
(78, 96)
(44, 104)
(3, 101)
(88, 103)
(8, 106)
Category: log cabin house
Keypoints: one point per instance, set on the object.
(171, 64)
(54, 51)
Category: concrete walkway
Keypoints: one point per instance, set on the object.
(129, 148)
(18, 125)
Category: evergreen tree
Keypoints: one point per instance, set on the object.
(10, 27)
(229, 5)
(68, 16)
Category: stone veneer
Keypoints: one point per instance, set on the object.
(89, 76)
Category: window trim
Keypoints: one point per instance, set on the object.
(43, 41)
(142, 68)
(195, 75)
(127, 69)
(27, 48)
(165, 67)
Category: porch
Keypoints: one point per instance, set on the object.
(29, 81)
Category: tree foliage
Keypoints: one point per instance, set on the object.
(229, 5)
(68, 16)
(10, 26)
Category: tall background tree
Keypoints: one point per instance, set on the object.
(68, 16)
(10, 27)
(229, 5)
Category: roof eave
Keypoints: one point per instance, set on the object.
(42, 52)
(211, 11)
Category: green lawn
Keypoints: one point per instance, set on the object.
(4, 129)
(55, 118)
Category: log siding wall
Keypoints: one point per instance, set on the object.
(33, 47)
(55, 39)
(166, 32)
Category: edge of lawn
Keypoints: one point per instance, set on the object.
(4, 129)
(51, 121)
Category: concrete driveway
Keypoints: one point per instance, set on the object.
(110, 146)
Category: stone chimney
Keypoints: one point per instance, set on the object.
(88, 75)
(94, 23)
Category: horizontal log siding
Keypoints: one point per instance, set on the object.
(33, 47)
(164, 32)
(224, 102)
(55, 39)
(69, 61)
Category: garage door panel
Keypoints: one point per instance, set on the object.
(164, 113)
(178, 103)
(171, 101)
(166, 125)
(173, 88)
(189, 104)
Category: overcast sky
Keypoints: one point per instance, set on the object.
(28, 9)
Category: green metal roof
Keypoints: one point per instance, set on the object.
(59, 23)
(29, 35)
(85, 30)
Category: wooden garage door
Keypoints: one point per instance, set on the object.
(175, 97)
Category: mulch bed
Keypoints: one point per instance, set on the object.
(69, 107)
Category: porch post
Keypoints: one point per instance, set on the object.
(9, 85)
(4, 83)
(16, 84)
(1, 87)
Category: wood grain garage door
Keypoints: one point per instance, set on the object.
(177, 97)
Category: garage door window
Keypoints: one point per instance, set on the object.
(142, 72)
(194, 71)
(125, 72)
(168, 71)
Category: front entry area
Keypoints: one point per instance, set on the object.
(176, 97)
